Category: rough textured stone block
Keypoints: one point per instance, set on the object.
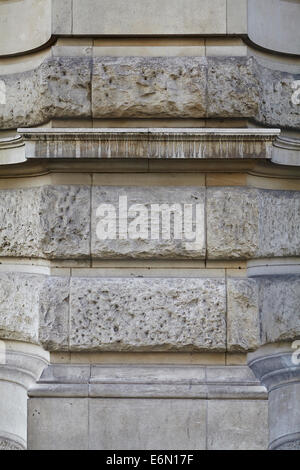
(145, 246)
(279, 223)
(143, 314)
(232, 91)
(60, 87)
(65, 221)
(152, 86)
(19, 222)
(232, 223)
(243, 322)
(156, 87)
(54, 313)
(279, 305)
(19, 306)
(46, 222)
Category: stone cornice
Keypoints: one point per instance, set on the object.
(149, 143)
(133, 381)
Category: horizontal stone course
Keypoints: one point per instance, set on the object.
(149, 314)
(138, 87)
(140, 314)
(60, 222)
(45, 222)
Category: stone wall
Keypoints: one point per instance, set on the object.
(149, 224)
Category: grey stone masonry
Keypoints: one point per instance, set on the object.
(148, 314)
(140, 87)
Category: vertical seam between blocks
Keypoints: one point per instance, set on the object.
(226, 315)
(90, 240)
(72, 22)
(69, 316)
(206, 85)
(205, 220)
(206, 412)
(91, 84)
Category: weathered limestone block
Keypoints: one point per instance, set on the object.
(20, 229)
(46, 222)
(139, 240)
(143, 314)
(140, 87)
(60, 87)
(277, 107)
(232, 223)
(279, 298)
(19, 306)
(243, 321)
(279, 223)
(65, 221)
(54, 313)
(252, 223)
(233, 90)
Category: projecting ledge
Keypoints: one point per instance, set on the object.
(149, 143)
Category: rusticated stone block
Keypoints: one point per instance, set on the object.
(276, 107)
(20, 229)
(232, 223)
(243, 322)
(60, 87)
(233, 91)
(279, 298)
(152, 86)
(147, 314)
(65, 221)
(46, 222)
(54, 314)
(156, 87)
(279, 223)
(146, 231)
(19, 306)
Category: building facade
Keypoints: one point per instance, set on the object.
(150, 224)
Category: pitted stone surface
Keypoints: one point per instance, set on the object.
(54, 313)
(139, 87)
(19, 306)
(147, 314)
(279, 308)
(143, 247)
(279, 223)
(65, 221)
(233, 91)
(243, 322)
(276, 98)
(46, 222)
(232, 223)
(20, 229)
(60, 87)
